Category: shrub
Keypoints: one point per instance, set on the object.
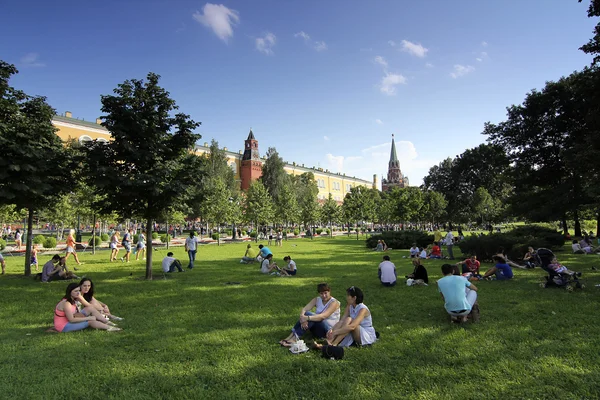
(154, 235)
(328, 231)
(515, 242)
(50, 243)
(319, 231)
(252, 234)
(296, 232)
(165, 238)
(39, 239)
(104, 237)
(2, 244)
(229, 232)
(401, 239)
(244, 233)
(96, 240)
(215, 236)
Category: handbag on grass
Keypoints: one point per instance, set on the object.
(332, 352)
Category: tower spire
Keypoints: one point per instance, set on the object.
(393, 156)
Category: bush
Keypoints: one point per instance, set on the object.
(296, 232)
(252, 234)
(2, 244)
(244, 233)
(154, 235)
(328, 231)
(401, 239)
(165, 238)
(104, 237)
(215, 236)
(515, 242)
(39, 239)
(96, 240)
(229, 232)
(319, 231)
(50, 243)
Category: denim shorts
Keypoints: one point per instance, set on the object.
(75, 326)
(127, 247)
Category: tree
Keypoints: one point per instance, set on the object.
(434, 205)
(330, 212)
(145, 169)
(273, 175)
(287, 209)
(353, 208)
(485, 205)
(220, 209)
(593, 46)
(306, 191)
(257, 205)
(35, 167)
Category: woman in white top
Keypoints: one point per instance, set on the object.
(114, 249)
(291, 265)
(356, 325)
(18, 239)
(326, 315)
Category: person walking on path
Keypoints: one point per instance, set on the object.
(191, 245)
(71, 243)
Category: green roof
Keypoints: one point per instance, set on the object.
(393, 156)
(76, 121)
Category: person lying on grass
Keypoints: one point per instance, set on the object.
(68, 318)
(356, 325)
(87, 291)
(269, 267)
(326, 315)
(458, 293)
(501, 270)
(290, 268)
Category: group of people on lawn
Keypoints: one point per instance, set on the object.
(267, 266)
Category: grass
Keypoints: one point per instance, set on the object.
(193, 336)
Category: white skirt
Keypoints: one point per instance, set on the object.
(367, 336)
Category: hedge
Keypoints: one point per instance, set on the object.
(164, 238)
(50, 243)
(215, 236)
(39, 239)
(154, 235)
(104, 237)
(401, 239)
(96, 240)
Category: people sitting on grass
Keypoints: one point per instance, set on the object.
(87, 291)
(414, 251)
(458, 293)
(56, 270)
(68, 318)
(577, 248)
(470, 266)
(356, 325)
(586, 246)
(169, 264)
(290, 268)
(419, 272)
(530, 258)
(385, 246)
(422, 252)
(502, 271)
(387, 272)
(249, 256)
(561, 269)
(502, 253)
(264, 251)
(326, 315)
(269, 267)
(379, 246)
(436, 251)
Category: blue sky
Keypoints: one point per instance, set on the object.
(325, 82)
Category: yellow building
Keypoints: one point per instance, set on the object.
(328, 182)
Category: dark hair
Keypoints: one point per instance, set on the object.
(499, 258)
(323, 287)
(269, 256)
(170, 254)
(574, 241)
(260, 246)
(192, 233)
(56, 257)
(354, 291)
(70, 288)
(89, 295)
(386, 258)
(500, 250)
(286, 258)
(447, 269)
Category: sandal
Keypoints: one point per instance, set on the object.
(286, 343)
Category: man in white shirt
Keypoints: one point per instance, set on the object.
(169, 263)
(450, 244)
(387, 272)
(191, 244)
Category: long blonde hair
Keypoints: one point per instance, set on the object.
(71, 232)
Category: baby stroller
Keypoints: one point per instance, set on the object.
(554, 279)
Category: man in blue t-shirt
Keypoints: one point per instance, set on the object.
(502, 270)
(264, 251)
(458, 293)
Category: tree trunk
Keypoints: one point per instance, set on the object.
(149, 250)
(29, 242)
(577, 223)
(357, 230)
(168, 237)
(598, 224)
(564, 224)
(94, 233)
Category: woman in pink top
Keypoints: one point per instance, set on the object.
(67, 317)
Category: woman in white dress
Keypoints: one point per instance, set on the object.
(326, 315)
(356, 325)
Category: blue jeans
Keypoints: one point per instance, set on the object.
(192, 255)
(449, 250)
(317, 328)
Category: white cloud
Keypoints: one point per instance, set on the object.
(378, 121)
(484, 54)
(218, 18)
(374, 160)
(302, 35)
(31, 60)
(484, 44)
(392, 43)
(320, 46)
(461, 70)
(326, 138)
(416, 49)
(429, 65)
(381, 61)
(389, 83)
(479, 59)
(265, 44)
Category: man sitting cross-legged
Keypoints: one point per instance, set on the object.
(458, 293)
(249, 256)
(502, 270)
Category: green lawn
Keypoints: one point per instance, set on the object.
(193, 336)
